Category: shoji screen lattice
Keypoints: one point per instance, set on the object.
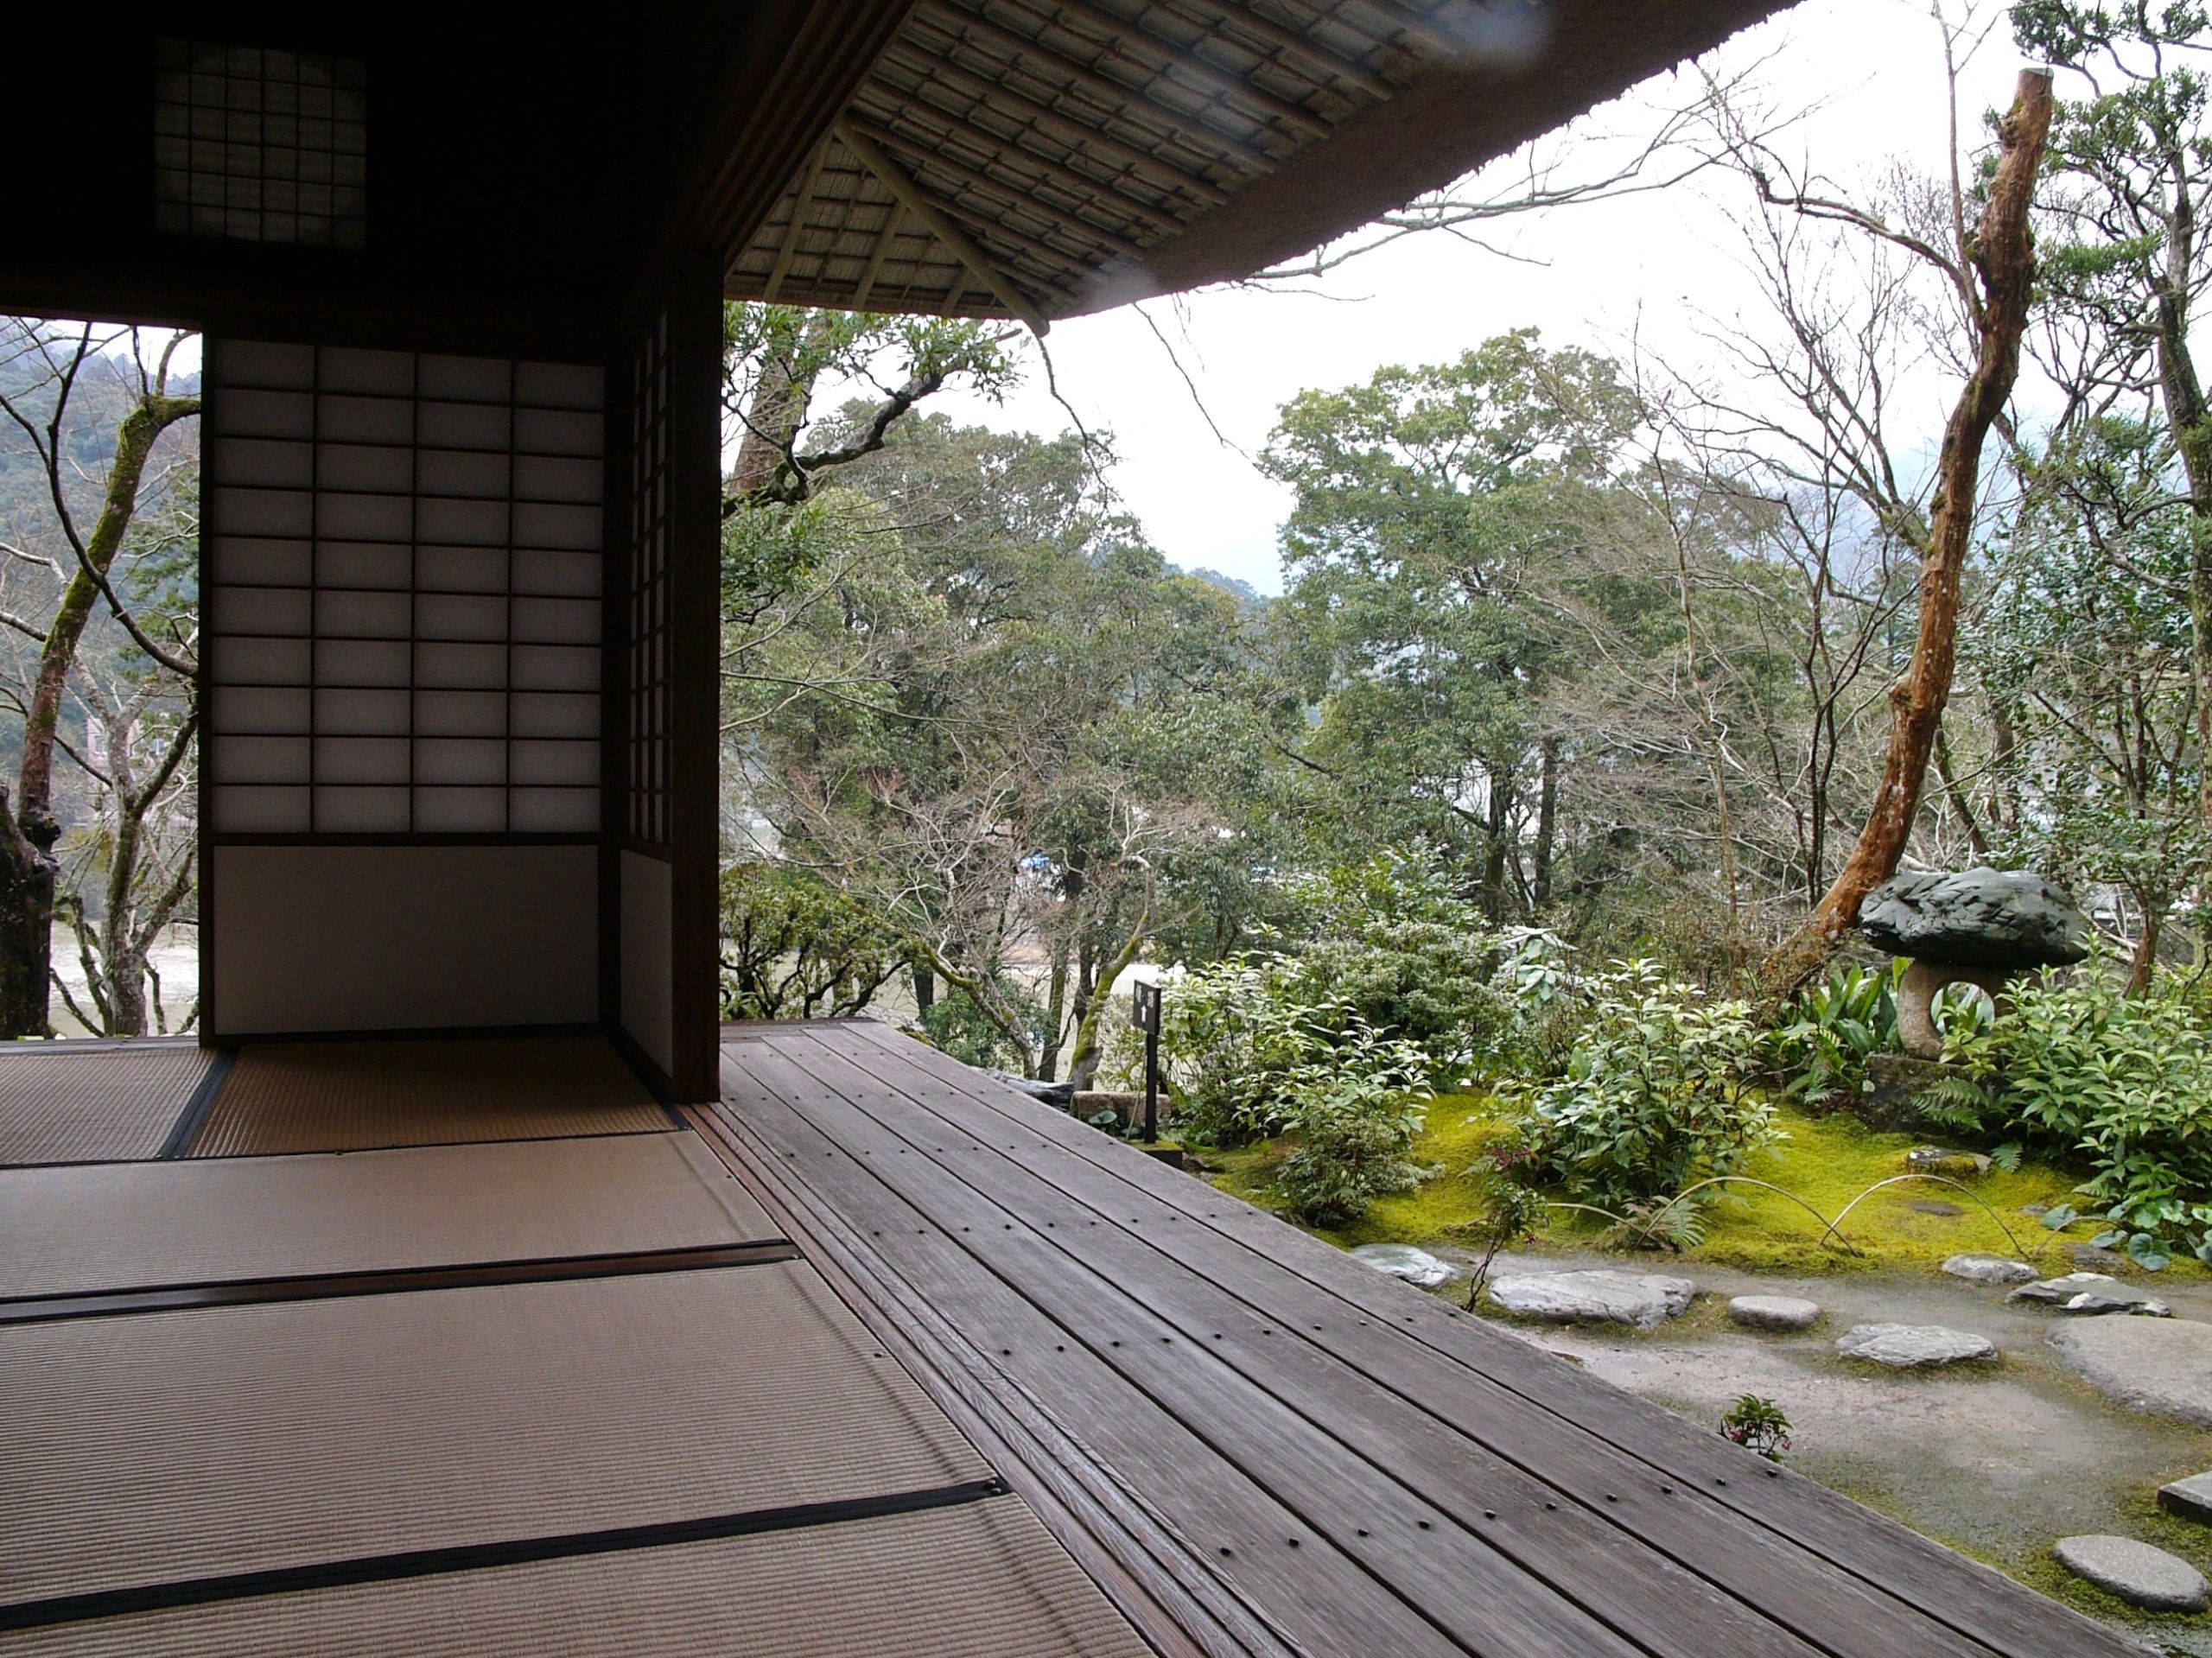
(401, 575)
(646, 652)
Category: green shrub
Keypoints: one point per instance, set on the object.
(1230, 1035)
(1832, 1028)
(793, 948)
(1355, 1109)
(955, 1025)
(2076, 1066)
(1547, 998)
(1657, 1094)
(1391, 944)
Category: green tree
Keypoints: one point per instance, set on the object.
(1435, 507)
(2125, 258)
(103, 535)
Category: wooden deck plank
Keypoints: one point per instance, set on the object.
(1462, 1563)
(1974, 1598)
(1446, 1353)
(1321, 1598)
(1608, 1532)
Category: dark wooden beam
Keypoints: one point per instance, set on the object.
(695, 364)
(1434, 133)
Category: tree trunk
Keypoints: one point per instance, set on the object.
(1083, 1064)
(925, 989)
(26, 929)
(2004, 260)
(1547, 821)
(27, 867)
(1496, 821)
(2183, 395)
(1056, 1007)
(2145, 960)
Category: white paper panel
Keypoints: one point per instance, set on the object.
(424, 533)
(243, 709)
(363, 564)
(460, 811)
(554, 811)
(347, 712)
(260, 811)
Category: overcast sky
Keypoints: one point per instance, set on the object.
(1660, 267)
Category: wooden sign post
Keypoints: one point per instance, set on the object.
(1145, 1011)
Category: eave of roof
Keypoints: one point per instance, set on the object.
(1046, 158)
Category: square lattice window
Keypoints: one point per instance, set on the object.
(260, 145)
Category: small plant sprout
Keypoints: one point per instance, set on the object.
(1757, 1425)
(1512, 1210)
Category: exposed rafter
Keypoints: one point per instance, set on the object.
(916, 200)
(1042, 158)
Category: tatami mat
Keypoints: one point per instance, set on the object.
(135, 1226)
(64, 1104)
(982, 1581)
(344, 1096)
(182, 1445)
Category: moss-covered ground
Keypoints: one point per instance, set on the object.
(1826, 1161)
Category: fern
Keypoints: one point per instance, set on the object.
(1958, 1101)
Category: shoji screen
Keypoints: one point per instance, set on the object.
(646, 994)
(663, 664)
(401, 583)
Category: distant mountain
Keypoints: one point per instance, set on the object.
(1248, 597)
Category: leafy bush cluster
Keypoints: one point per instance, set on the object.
(795, 948)
(1391, 944)
(1658, 1092)
(1836, 1025)
(2076, 1066)
(1355, 1109)
(1337, 1033)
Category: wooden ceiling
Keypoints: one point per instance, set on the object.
(1045, 158)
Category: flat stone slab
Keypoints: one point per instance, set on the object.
(2190, 1498)
(1403, 1261)
(1915, 1347)
(1989, 1269)
(2136, 1573)
(1644, 1300)
(1783, 1312)
(2090, 1293)
(1940, 1159)
(2163, 1366)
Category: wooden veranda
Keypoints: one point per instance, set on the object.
(873, 1355)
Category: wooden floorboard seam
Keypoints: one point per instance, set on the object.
(1545, 1533)
(1971, 1599)
(1451, 1570)
(1326, 1603)
(1148, 1573)
(1996, 1615)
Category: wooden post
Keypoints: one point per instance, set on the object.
(694, 362)
(1145, 997)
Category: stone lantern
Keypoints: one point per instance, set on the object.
(1982, 927)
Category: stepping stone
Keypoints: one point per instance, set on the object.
(2091, 1292)
(2190, 1498)
(2161, 1366)
(1933, 1206)
(1643, 1301)
(1989, 1269)
(2088, 1255)
(1403, 1261)
(1938, 1160)
(1773, 1313)
(2136, 1573)
(1915, 1347)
